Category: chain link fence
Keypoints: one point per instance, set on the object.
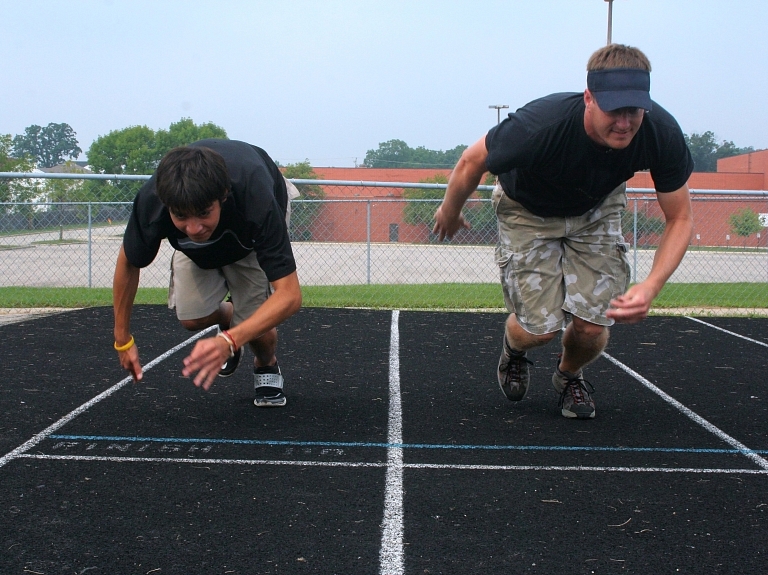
(65, 230)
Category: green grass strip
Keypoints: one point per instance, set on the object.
(396, 296)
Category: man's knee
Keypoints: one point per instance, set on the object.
(193, 324)
(526, 338)
(199, 323)
(588, 330)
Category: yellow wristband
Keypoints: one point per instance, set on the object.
(126, 346)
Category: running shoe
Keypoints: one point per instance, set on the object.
(514, 375)
(575, 395)
(268, 386)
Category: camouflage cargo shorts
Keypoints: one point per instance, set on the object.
(551, 267)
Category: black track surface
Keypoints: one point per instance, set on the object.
(163, 478)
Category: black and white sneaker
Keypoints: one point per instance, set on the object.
(268, 386)
(231, 364)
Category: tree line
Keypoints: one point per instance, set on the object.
(138, 150)
(705, 150)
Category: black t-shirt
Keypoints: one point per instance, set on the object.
(252, 217)
(546, 161)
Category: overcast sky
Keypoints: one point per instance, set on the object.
(327, 80)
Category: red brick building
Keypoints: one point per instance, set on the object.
(345, 220)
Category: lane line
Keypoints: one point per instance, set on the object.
(29, 444)
(740, 447)
(207, 461)
(600, 469)
(354, 464)
(726, 331)
(434, 446)
(391, 558)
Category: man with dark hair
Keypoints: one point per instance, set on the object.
(224, 206)
(562, 163)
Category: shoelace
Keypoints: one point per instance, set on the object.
(514, 366)
(577, 386)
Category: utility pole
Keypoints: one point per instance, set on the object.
(610, 19)
(499, 108)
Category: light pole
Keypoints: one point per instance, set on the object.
(499, 108)
(610, 19)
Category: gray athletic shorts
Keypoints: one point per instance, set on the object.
(196, 293)
(550, 267)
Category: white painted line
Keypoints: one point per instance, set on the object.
(600, 469)
(391, 559)
(112, 459)
(26, 446)
(746, 451)
(359, 464)
(728, 332)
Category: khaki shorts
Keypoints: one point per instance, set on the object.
(550, 267)
(196, 293)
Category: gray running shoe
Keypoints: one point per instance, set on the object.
(514, 375)
(268, 387)
(575, 395)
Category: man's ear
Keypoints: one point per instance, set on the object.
(588, 97)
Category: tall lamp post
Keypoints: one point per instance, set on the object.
(499, 108)
(610, 19)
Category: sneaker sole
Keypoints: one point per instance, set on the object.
(270, 402)
(572, 415)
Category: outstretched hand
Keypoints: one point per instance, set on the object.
(631, 307)
(206, 360)
(446, 224)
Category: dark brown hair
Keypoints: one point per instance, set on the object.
(189, 179)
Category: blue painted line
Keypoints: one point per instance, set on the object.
(337, 444)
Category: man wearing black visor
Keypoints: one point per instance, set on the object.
(562, 163)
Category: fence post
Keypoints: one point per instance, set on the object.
(368, 240)
(634, 241)
(90, 247)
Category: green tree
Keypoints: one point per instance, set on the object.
(138, 149)
(61, 190)
(47, 146)
(479, 214)
(14, 190)
(306, 210)
(744, 223)
(398, 154)
(127, 151)
(421, 210)
(646, 225)
(706, 151)
(482, 217)
(183, 133)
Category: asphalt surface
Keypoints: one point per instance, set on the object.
(396, 453)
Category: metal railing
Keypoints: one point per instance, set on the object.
(64, 230)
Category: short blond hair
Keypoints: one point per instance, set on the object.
(618, 56)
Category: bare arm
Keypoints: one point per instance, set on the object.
(464, 180)
(209, 354)
(124, 286)
(633, 306)
(282, 304)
